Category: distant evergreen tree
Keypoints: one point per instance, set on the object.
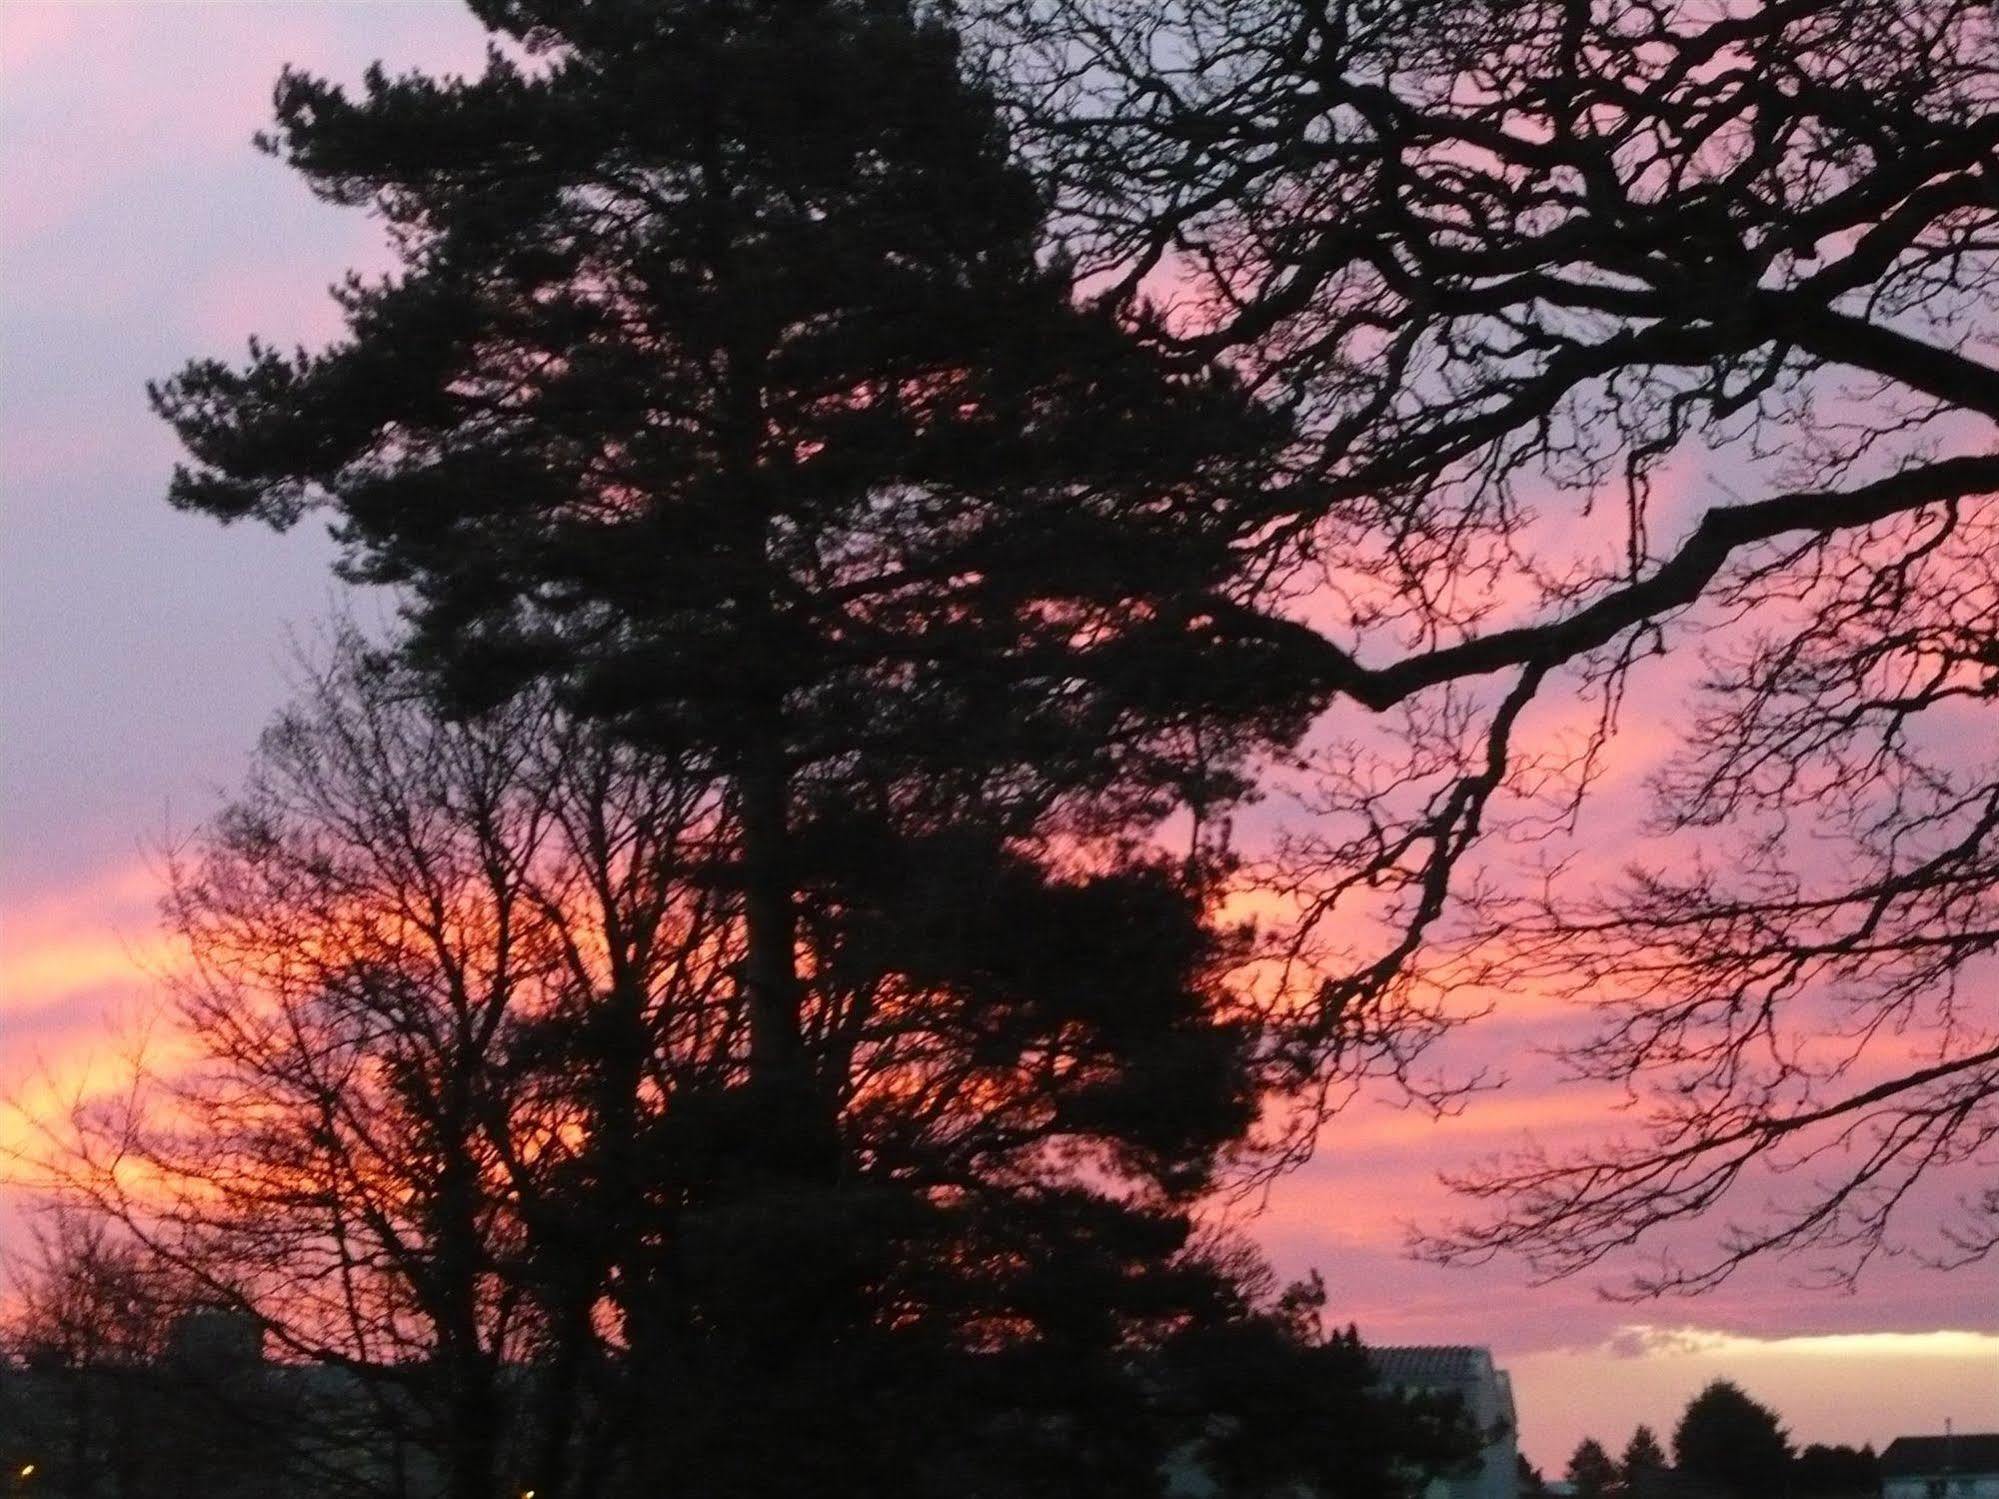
(726, 387)
(1592, 1472)
(1642, 1454)
(1731, 1442)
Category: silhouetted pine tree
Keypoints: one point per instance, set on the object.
(722, 381)
(1732, 1443)
(1591, 1472)
(725, 384)
(1642, 1454)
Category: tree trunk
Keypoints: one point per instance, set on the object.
(588, 1248)
(791, 1136)
(770, 968)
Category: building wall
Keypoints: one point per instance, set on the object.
(1488, 1397)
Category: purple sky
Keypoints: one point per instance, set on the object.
(143, 650)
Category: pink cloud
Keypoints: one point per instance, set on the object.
(71, 957)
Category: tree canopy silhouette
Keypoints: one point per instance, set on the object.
(1641, 1455)
(722, 382)
(1842, 1472)
(725, 399)
(105, 1387)
(451, 1107)
(1592, 1473)
(1730, 1441)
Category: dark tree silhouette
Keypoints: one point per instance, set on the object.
(1270, 1422)
(1642, 1454)
(1641, 358)
(1726, 1439)
(723, 385)
(107, 1390)
(434, 972)
(1823, 1472)
(724, 391)
(1591, 1472)
(84, 1322)
(449, 1106)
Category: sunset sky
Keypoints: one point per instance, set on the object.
(143, 650)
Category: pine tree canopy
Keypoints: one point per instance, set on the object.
(725, 378)
(1732, 1442)
(1642, 1454)
(1591, 1471)
(726, 387)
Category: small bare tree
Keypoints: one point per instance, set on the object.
(435, 971)
(84, 1320)
(115, 1384)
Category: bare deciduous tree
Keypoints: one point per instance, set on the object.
(1643, 354)
(453, 1100)
(112, 1378)
(435, 972)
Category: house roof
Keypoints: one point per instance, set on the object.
(1430, 1365)
(1914, 1457)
